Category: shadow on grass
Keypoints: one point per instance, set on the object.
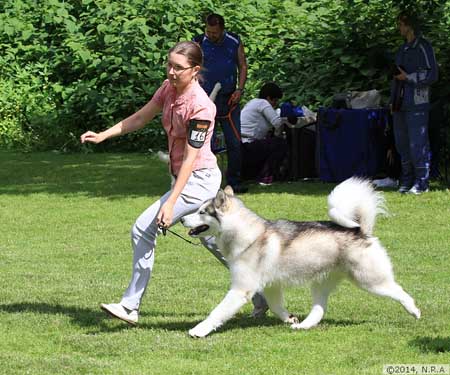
(83, 317)
(95, 318)
(97, 175)
(107, 175)
(432, 344)
(112, 176)
(241, 321)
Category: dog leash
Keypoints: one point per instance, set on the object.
(164, 231)
(230, 119)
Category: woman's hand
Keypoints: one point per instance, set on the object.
(165, 215)
(92, 137)
(134, 122)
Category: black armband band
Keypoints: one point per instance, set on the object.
(197, 132)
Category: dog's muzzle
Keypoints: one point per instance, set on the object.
(197, 230)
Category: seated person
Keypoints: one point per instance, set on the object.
(262, 152)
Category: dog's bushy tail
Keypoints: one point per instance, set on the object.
(354, 203)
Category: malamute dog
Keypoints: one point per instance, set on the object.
(264, 256)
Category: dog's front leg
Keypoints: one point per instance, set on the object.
(226, 309)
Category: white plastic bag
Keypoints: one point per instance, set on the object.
(365, 99)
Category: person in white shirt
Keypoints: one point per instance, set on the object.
(262, 152)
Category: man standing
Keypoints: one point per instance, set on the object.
(224, 58)
(410, 98)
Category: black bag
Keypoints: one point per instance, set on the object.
(302, 152)
(341, 100)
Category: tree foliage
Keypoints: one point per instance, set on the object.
(66, 66)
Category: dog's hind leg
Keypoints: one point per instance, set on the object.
(374, 274)
(275, 300)
(224, 311)
(393, 290)
(320, 292)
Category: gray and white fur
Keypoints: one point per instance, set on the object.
(265, 256)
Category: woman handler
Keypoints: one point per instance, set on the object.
(188, 119)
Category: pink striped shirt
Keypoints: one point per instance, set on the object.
(176, 114)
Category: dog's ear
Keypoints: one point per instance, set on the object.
(221, 199)
(229, 190)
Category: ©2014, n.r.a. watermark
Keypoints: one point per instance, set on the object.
(419, 369)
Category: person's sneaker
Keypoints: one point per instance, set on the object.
(266, 181)
(385, 182)
(118, 311)
(417, 190)
(404, 189)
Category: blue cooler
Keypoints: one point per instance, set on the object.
(350, 142)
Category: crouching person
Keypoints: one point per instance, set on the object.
(263, 152)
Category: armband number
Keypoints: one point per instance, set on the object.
(197, 132)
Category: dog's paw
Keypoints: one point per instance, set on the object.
(201, 330)
(301, 325)
(412, 309)
(292, 319)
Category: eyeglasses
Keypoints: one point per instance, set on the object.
(177, 68)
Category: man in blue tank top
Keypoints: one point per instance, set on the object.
(224, 58)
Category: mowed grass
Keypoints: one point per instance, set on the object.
(65, 248)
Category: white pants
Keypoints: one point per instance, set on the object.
(202, 185)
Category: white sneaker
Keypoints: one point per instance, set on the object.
(416, 190)
(386, 182)
(118, 311)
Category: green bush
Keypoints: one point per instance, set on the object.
(72, 66)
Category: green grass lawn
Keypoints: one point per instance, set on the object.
(65, 248)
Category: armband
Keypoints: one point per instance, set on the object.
(197, 132)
